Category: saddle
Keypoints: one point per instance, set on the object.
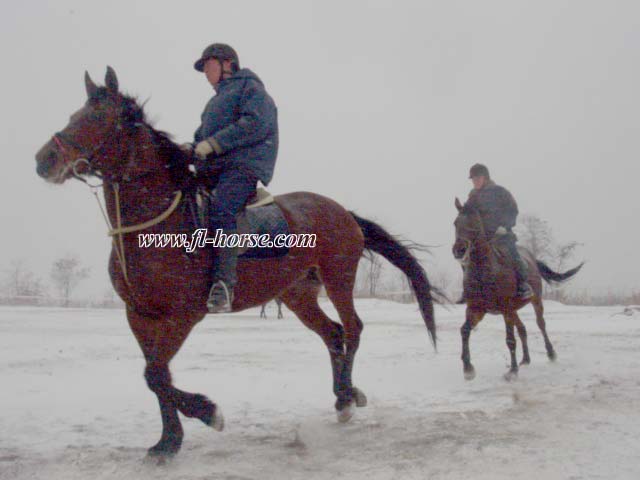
(260, 216)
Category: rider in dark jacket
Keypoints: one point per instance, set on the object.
(498, 210)
(236, 145)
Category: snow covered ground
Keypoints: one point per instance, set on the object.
(74, 405)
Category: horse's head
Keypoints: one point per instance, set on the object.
(469, 229)
(92, 142)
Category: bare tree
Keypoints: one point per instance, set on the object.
(565, 252)
(407, 295)
(66, 273)
(373, 274)
(535, 235)
(444, 281)
(20, 281)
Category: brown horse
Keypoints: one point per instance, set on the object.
(165, 290)
(490, 287)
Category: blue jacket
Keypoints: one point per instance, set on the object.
(243, 120)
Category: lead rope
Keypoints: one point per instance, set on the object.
(117, 248)
(120, 244)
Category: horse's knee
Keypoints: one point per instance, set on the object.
(157, 377)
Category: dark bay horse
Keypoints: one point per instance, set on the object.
(143, 174)
(490, 287)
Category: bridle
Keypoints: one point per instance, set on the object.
(479, 237)
(61, 138)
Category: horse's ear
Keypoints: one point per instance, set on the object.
(111, 80)
(90, 86)
(458, 204)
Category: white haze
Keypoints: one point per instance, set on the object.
(383, 106)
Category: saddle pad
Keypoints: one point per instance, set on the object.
(257, 218)
(268, 220)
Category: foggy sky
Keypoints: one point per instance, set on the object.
(383, 106)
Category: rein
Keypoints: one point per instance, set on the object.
(149, 223)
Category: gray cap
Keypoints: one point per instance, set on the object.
(219, 51)
(478, 170)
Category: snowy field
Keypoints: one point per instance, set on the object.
(74, 405)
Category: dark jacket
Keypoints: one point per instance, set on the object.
(496, 205)
(243, 119)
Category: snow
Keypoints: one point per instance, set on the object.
(75, 406)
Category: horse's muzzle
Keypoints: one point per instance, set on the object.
(47, 159)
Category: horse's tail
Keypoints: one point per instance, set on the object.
(554, 277)
(378, 240)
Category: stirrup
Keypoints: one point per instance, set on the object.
(220, 298)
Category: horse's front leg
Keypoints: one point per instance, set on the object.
(172, 400)
(472, 318)
(160, 339)
(159, 382)
(510, 322)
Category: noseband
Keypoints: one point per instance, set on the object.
(61, 138)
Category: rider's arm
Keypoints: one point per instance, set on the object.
(256, 122)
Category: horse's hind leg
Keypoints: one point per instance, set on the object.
(338, 277)
(510, 322)
(522, 333)
(302, 299)
(539, 309)
(160, 339)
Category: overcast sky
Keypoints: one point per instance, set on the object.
(383, 106)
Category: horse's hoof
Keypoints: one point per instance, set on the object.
(217, 421)
(511, 375)
(469, 373)
(157, 458)
(525, 361)
(552, 355)
(346, 413)
(163, 451)
(360, 397)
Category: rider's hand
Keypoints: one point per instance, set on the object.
(187, 148)
(501, 231)
(203, 149)
(207, 147)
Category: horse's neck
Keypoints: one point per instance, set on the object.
(146, 190)
(482, 259)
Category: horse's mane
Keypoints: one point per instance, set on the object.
(133, 115)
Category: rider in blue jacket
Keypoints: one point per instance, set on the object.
(236, 145)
